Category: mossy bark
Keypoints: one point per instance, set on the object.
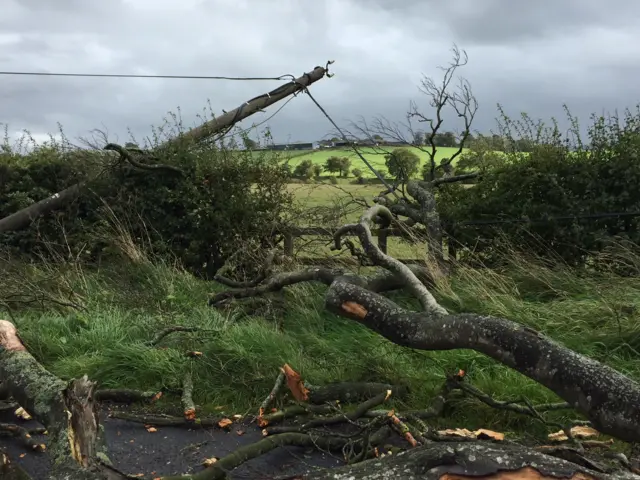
(452, 461)
(65, 409)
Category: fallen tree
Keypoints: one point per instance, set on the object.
(608, 399)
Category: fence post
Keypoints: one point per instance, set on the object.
(452, 247)
(383, 234)
(288, 243)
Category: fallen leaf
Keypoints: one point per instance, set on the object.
(209, 461)
(484, 433)
(240, 432)
(152, 429)
(295, 384)
(190, 414)
(225, 422)
(22, 413)
(194, 354)
(237, 416)
(577, 432)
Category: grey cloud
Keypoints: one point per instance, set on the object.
(501, 21)
(527, 57)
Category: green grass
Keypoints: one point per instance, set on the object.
(127, 304)
(375, 158)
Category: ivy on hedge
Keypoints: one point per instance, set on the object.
(223, 200)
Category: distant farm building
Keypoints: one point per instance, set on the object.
(294, 146)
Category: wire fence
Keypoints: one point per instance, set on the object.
(382, 235)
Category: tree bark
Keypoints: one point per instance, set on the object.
(23, 218)
(466, 460)
(610, 400)
(66, 409)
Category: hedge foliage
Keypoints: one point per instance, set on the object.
(223, 200)
(559, 177)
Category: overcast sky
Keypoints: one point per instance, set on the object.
(529, 56)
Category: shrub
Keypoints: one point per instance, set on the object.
(556, 179)
(402, 164)
(338, 165)
(222, 200)
(304, 169)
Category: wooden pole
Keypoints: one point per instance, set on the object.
(23, 218)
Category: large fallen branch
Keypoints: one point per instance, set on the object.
(609, 399)
(467, 460)
(66, 409)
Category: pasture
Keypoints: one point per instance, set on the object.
(375, 156)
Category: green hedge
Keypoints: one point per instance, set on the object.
(222, 200)
(555, 179)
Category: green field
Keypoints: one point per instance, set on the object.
(376, 158)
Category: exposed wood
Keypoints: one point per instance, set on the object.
(65, 409)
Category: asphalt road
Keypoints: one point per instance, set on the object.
(173, 451)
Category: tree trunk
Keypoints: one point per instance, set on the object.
(466, 460)
(429, 217)
(66, 410)
(24, 217)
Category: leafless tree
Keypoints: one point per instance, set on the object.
(418, 204)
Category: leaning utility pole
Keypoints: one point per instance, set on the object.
(256, 104)
(26, 216)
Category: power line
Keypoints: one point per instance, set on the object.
(544, 221)
(119, 75)
(265, 120)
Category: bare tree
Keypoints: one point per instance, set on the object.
(420, 204)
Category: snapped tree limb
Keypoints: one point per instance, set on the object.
(609, 399)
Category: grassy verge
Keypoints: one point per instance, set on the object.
(126, 304)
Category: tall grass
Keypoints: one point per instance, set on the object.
(123, 305)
